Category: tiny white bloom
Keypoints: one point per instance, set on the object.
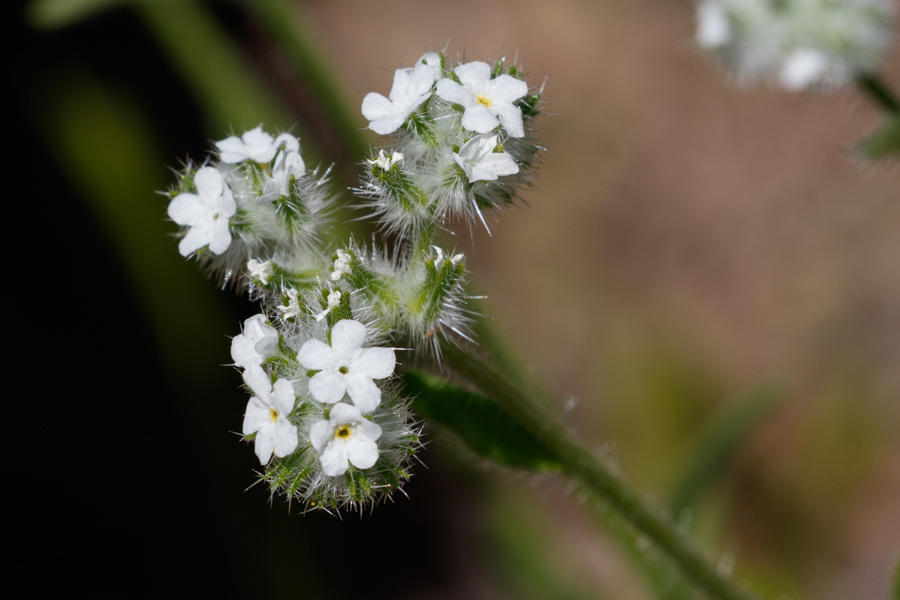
(457, 258)
(255, 145)
(292, 308)
(261, 271)
(257, 343)
(341, 265)
(439, 258)
(478, 159)
(267, 415)
(713, 28)
(488, 102)
(802, 68)
(385, 162)
(206, 213)
(334, 299)
(410, 89)
(345, 367)
(346, 438)
(288, 164)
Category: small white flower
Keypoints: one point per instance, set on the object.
(206, 213)
(334, 299)
(267, 415)
(411, 88)
(255, 145)
(346, 437)
(385, 162)
(261, 271)
(713, 28)
(257, 343)
(287, 165)
(345, 367)
(292, 308)
(478, 159)
(802, 68)
(341, 265)
(488, 102)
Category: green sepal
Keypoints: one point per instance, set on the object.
(884, 142)
(480, 422)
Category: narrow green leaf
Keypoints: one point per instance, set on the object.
(719, 441)
(884, 142)
(479, 422)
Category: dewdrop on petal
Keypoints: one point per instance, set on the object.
(796, 44)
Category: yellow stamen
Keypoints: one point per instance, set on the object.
(484, 100)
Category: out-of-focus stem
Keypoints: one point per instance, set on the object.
(584, 465)
(876, 89)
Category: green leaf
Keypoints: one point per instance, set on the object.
(479, 422)
(719, 441)
(883, 142)
(54, 14)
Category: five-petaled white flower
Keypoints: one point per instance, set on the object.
(488, 102)
(342, 265)
(257, 343)
(346, 437)
(411, 88)
(206, 213)
(478, 159)
(255, 145)
(346, 367)
(267, 415)
(261, 271)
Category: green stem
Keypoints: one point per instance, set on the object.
(582, 464)
(873, 86)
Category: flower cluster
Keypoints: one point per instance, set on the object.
(796, 43)
(465, 142)
(325, 415)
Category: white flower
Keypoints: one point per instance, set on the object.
(292, 308)
(796, 43)
(334, 299)
(288, 164)
(488, 102)
(255, 145)
(206, 213)
(341, 265)
(478, 159)
(257, 343)
(346, 367)
(440, 258)
(385, 162)
(267, 415)
(261, 271)
(411, 88)
(346, 437)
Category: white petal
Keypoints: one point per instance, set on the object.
(320, 434)
(362, 453)
(285, 438)
(347, 335)
(474, 75)
(334, 459)
(499, 163)
(258, 382)
(506, 89)
(802, 68)
(374, 363)
(511, 118)
(317, 355)
(713, 29)
(366, 396)
(327, 387)
(231, 150)
(186, 209)
(197, 237)
(259, 145)
(220, 236)
(257, 416)
(344, 413)
(283, 397)
(288, 141)
(209, 182)
(375, 106)
(264, 444)
(451, 91)
(479, 118)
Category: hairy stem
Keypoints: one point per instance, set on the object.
(581, 463)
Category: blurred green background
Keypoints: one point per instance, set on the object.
(688, 242)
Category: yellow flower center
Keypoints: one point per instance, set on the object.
(484, 100)
(343, 432)
(273, 415)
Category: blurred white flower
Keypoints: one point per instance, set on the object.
(488, 102)
(267, 415)
(205, 213)
(255, 145)
(261, 271)
(346, 437)
(258, 342)
(796, 43)
(479, 161)
(345, 367)
(288, 164)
